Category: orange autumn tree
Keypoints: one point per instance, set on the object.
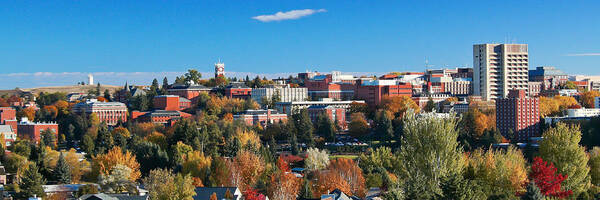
(398, 105)
(284, 185)
(103, 163)
(345, 175)
(29, 113)
(587, 98)
(51, 111)
(328, 181)
(246, 167)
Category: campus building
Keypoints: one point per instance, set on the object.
(285, 93)
(33, 130)
(373, 92)
(294, 106)
(171, 103)
(109, 112)
(499, 68)
(261, 117)
(518, 116)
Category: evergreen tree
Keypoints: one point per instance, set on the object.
(104, 141)
(294, 144)
(533, 192)
(97, 92)
(70, 135)
(31, 183)
(384, 128)
(304, 127)
(325, 127)
(165, 86)
(154, 87)
(107, 95)
(62, 170)
(430, 106)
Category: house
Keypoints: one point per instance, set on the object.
(68, 189)
(203, 193)
(102, 196)
(337, 195)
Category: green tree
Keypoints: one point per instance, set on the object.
(62, 170)
(107, 95)
(430, 153)
(104, 140)
(594, 164)
(533, 192)
(150, 156)
(306, 191)
(97, 91)
(165, 86)
(304, 127)
(31, 183)
(561, 147)
(192, 76)
(358, 126)
(430, 106)
(383, 126)
(325, 127)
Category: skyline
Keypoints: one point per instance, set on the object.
(288, 37)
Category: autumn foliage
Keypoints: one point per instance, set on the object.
(284, 185)
(398, 105)
(103, 163)
(545, 177)
(343, 174)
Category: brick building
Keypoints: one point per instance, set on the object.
(374, 91)
(8, 116)
(164, 117)
(334, 86)
(32, 130)
(238, 90)
(190, 92)
(109, 112)
(261, 117)
(518, 115)
(335, 114)
(171, 103)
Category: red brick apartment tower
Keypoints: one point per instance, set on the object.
(518, 115)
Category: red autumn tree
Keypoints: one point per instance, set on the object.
(545, 177)
(252, 194)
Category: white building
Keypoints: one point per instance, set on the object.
(583, 112)
(285, 93)
(90, 79)
(498, 68)
(597, 102)
(289, 107)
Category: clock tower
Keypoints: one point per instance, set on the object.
(219, 69)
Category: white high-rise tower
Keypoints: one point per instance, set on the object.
(498, 68)
(90, 79)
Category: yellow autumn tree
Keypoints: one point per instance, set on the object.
(103, 163)
(196, 164)
(77, 165)
(503, 169)
(248, 138)
(158, 139)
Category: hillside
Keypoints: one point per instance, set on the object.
(66, 89)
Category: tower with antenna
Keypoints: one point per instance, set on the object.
(219, 69)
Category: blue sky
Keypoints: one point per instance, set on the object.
(354, 36)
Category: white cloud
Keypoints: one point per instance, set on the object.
(289, 15)
(584, 54)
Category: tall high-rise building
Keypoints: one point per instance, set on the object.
(498, 68)
(90, 79)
